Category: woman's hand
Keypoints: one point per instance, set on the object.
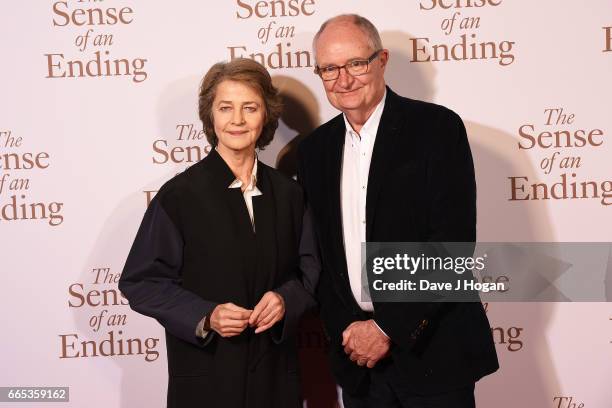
(229, 320)
(269, 311)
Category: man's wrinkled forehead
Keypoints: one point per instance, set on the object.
(340, 38)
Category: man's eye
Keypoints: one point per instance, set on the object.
(358, 63)
(331, 68)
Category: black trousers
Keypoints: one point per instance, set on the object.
(383, 392)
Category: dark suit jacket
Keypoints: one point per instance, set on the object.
(195, 249)
(421, 188)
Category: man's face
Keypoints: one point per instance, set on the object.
(342, 42)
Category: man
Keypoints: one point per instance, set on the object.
(389, 169)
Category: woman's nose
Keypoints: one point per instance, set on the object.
(238, 117)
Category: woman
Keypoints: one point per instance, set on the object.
(216, 259)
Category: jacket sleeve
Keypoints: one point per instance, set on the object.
(451, 218)
(298, 293)
(452, 185)
(334, 313)
(152, 282)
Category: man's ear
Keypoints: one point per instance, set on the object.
(384, 57)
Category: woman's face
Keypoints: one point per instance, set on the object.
(239, 115)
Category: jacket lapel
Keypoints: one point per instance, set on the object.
(265, 210)
(223, 177)
(388, 129)
(334, 167)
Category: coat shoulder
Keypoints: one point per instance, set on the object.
(182, 183)
(425, 111)
(442, 126)
(175, 184)
(318, 137)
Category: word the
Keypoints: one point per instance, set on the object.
(567, 402)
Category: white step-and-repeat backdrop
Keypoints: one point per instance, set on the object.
(98, 109)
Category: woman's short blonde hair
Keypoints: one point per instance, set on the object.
(250, 73)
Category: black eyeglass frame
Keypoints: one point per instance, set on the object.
(368, 60)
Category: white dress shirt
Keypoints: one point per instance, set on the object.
(250, 191)
(356, 159)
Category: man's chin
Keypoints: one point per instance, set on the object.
(349, 104)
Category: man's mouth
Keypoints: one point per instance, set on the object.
(348, 92)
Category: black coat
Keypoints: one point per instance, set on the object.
(196, 248)
(421, 188)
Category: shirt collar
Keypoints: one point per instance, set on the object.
(370, 127)
(252, 187)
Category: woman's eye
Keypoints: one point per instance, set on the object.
(224, 108)
(250, 108)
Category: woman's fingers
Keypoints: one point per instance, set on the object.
(258, 309)
(270, 320)
(228, 319)
(270, 302)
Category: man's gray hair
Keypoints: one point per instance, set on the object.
(363, 23)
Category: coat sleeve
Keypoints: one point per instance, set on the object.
(334, 313)
(451, 218)
(298, 293)
(152, 282)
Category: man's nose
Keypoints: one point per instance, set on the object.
(345, 80)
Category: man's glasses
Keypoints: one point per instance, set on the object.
(354, 67)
